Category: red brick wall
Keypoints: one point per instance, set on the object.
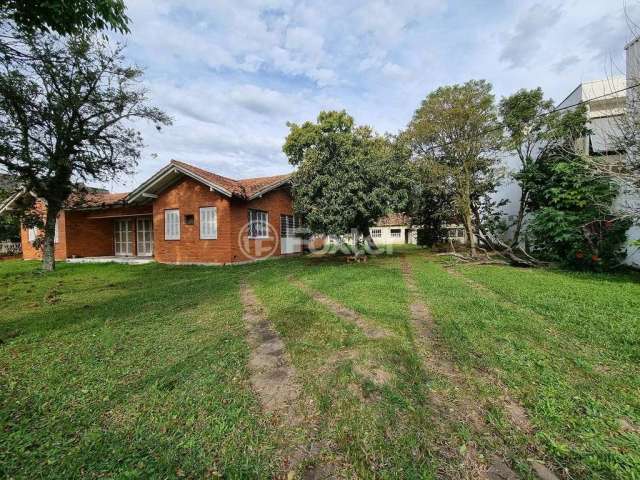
(232, 244)
(275, 203)
(31, 253)
(89, 233)
(188, 196)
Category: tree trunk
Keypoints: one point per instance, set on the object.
(366, 233)
(468, 226)
(521, 209)
(48, 251)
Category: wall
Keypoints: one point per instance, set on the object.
(275, 203)
(232, 244)
(188, 196)
(29, 252)
(89, 233)
(387, 239)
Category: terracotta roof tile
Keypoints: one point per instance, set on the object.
(94, 199)
(244, 188)
(393, 219)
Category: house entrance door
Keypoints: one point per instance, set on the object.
(144, 234)
(123, 238)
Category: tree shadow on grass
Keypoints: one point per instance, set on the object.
(145, 296)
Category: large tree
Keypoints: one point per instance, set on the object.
(533, 127)
(347, 176)
(457, 128)
(66, 108)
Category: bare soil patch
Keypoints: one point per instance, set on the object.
(342, 311)
(465, 407)
(274, 380)
(272, 376)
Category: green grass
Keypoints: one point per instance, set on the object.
(141, 371)
(563, 343)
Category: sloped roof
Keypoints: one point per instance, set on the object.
(247, 188)
(244, 188)
(95, 199)
(393, 219)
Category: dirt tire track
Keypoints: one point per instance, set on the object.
(370, 330)
(274, 379)
(435, 361)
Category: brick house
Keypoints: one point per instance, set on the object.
(182, 214)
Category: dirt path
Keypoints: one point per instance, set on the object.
(466, 408)
(370, 330)
(515, 412)
(275, 382)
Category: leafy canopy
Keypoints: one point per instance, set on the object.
(66, 116)
(65, 17)
(347, 175)
(455, 137)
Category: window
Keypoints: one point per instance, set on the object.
(189, 219)
(376, 232)
(395, 232)
(208, 223)
(172, 224)
(33, 233)
(258, 224)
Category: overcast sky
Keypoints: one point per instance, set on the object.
(232, 73)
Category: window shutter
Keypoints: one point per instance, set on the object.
(208, 223)
(172, 224)
(55, 236)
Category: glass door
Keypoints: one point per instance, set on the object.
(123, 237)
(144, 234)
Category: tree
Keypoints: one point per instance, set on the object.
(65, 17)
(65, 116)
(432, 202)
(573, 219)
(347, 176)
(457, 128)
(533, 127)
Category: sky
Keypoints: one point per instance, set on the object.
(232, 73)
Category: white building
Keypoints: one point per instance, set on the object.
(605, 101)
(394, 229)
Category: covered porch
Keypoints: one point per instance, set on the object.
(110, 235)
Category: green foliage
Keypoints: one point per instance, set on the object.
(533, 128)
(573, 219)
(66, 17)
(457, 129)
(347, 176)
(65, 116)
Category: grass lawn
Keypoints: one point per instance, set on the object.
(143, 371)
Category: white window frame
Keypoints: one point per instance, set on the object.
(32, 232)
(264, 223)
(208, 223)
(376, 232)
(171, 233)
(396, 234)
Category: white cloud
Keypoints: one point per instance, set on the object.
(523, 45)
(233, 72)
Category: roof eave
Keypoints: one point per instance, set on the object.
(169, 169)
(268, 188)
(6, 205)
